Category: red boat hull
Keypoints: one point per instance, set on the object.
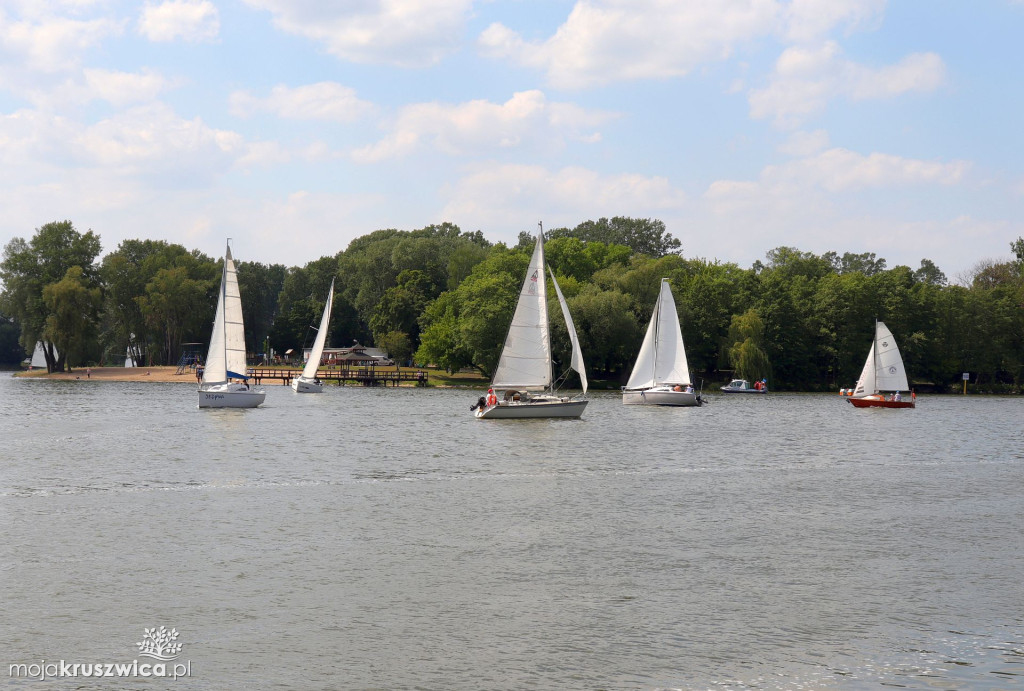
(880, 403)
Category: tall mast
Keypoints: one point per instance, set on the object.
(547, 321)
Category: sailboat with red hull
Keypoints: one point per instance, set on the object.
(883, 379)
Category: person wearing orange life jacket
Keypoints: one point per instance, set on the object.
(491, 398)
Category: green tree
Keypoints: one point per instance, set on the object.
(746, 355)
(642, 235)
(607, 328)
(11, 352)
(398, 346)
(73, 309)
(260, 286)
(441, 339)
(1017, 247)
(865, 263)
(930, 274)
(28, 267)
(176, 304)
(401, 305)
(125, 273)
(467, 326)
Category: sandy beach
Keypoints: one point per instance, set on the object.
(161, 374)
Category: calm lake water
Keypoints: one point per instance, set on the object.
(386, 539)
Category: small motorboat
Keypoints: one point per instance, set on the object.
(743, 386)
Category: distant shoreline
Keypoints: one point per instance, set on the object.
(439, 380)
(168, 374)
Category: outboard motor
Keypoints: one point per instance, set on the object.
(481, 403)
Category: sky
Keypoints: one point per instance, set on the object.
(295, 126)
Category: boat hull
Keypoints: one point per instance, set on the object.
(878, 402)
(661, 397)
(300, 385)
(564, 408)
(230, 398)
(726, 389)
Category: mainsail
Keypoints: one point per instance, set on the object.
(525, 361)
(313, 363)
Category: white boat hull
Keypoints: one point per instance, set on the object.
(534, 408)
(660, 397)
(230, 396)
(301, 385)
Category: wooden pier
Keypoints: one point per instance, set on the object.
(365, 376)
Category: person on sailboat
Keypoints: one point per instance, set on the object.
(491, 398)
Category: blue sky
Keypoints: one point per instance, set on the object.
(294, 126)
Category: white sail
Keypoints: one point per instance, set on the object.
(234, 329)
(883, 370)
(215, 370)
(577, 355)
(226, 356)
(890, 374)
(525, 361)
(313, 363)
(662, 357)
(866, 383)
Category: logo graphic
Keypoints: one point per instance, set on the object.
(892, 369)
(159, 644)
(533, 283)
(885, 344)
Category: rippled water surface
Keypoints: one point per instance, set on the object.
(386, 539)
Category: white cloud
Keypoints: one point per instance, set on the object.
(186, 20)
(60, 93)
(153, 140)
(526, 119)
(121, 88)
(805, 143)
(409, 33)
(327, 101)
(832, 200)
(808, 20)
(509, 198)
(149, 141)
(838, 170)
(605, 41)
(805, 80)
(52, 43)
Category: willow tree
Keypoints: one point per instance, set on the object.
(29, 267)
(748, 359)
(71, 323)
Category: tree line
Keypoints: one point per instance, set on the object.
(442, 296)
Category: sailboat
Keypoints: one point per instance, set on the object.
(225, 359)
(524, 368)
(307, 382)
(661, 375)
(883, 371)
